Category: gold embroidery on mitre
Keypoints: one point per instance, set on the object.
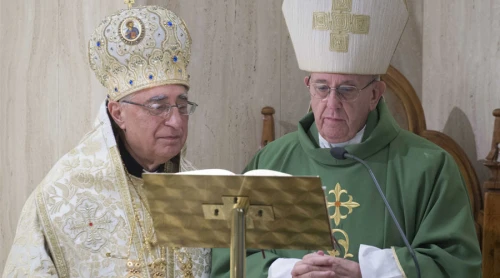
(140, 48)
(341, 22)
(342, 242)
(129, 3)
(337, 216)
(131, 30)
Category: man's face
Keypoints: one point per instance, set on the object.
(339, 120)
(155, 138)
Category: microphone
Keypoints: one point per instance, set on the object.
(342, 154)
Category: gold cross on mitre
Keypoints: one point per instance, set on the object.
(341, 22)
(129, 3)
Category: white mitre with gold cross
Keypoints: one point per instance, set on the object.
(345, 36)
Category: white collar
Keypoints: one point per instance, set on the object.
(356, 140)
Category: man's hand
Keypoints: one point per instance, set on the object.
(321, 266)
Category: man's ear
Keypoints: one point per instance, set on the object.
(377, 92)
(307, 80)
(117, 113)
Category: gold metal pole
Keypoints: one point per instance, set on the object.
(238, 244)
(238, 237)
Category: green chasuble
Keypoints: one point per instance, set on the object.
(420, 180)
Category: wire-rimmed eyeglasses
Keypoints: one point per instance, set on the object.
(343, 92)
(164, 109)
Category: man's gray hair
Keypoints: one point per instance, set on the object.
(127, 97)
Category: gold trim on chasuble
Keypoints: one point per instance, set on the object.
(157, 268)
(159, 265)
(341, 22)
(55, 247)
(338, 216)
(397, 261)
(133, 267)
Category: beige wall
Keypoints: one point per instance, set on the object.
(461, 72)
(48, 97)
(242, 60)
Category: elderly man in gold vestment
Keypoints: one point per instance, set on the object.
(88, 217)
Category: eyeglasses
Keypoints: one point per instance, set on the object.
(163, 109)
(346, 93)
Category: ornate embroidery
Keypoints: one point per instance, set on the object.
(170, 262)
(134, 269)
(185, 261)
(85, 199)
(341, 23)
(201, 258)
(69, 165)
(123, 189)
(96, 229)
(342, 242)
(55, 247)
(338, 191)
(55, 201)
(337, 216)
(28, 254)
(90, 148)
(87, 179)
(140, 48)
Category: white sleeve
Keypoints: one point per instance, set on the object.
(28, 256)
(282, 268)
(378, 263)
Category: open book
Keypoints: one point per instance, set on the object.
(222, 172)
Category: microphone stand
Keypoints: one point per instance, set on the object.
(341, 153)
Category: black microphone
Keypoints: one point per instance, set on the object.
(341, 154)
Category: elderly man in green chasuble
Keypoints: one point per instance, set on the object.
(346, 45)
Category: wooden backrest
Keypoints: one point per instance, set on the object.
(491, 210)
(407, 109)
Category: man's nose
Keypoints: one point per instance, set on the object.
(174, 118)
(333, 100)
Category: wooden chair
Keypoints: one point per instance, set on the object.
(491, 207)
(407, 109)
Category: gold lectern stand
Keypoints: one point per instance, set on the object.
(257, 212)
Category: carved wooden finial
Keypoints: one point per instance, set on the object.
(492, 160)
(495, 144)
(496, 112)
(266, 111)
(268, 126)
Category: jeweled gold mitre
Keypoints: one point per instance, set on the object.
(140, 48)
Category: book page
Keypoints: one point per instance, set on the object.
(208, 172)
(222, 172)
(265, 172)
